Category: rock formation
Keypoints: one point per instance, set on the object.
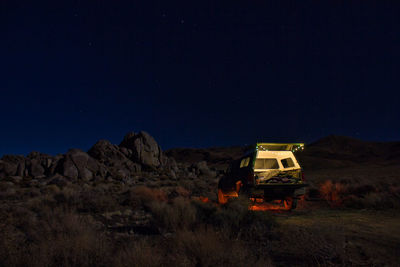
(137, 153)
(145, 149)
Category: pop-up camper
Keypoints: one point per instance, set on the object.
(268, 172)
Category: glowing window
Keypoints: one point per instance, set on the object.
(245, 162)
(287, 163)
(242, 163)
(266, 164)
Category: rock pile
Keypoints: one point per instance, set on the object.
(138, 153)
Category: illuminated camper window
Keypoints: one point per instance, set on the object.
(287, 163)
(266, 164)
(245, 162)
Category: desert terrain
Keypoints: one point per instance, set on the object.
(133, 204)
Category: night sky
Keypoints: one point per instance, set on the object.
(196, 73)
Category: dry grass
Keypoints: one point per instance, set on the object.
(206, 247)
(360, 195)
(312, 245)
(60, 236)
(139, 253)
(72, 226)
(180, 214)
(52, 238)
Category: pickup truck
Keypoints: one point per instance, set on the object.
(268, 172)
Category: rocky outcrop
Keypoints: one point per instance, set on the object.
(145, 149)
(78, 164)
(218, 158)
(12, 165)
(58, 180)
(106, 153)
(115, 159)
(201, 168)
(74, 164)
(138, 153)
(38, 164)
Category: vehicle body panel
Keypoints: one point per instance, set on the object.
(270, 171)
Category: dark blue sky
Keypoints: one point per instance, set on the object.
(196, 73)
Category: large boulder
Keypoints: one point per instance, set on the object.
(106, 153)
(78, 164)
(171, 164)
(12, 165)
(116, 159)
(145, 149)
(201, 168)
(35, 165)
(56, 166)
(69, 169)
(38, 164)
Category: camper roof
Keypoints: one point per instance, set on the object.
(279, 146)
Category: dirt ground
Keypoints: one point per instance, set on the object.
(362, 237)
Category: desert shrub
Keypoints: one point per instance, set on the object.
(205, 247)
(205, 212)
(187, 183)
(69, 240)
(377, 201)
(67, 198)
(333, 192)
(97, 202)
(54, 238)
(42, 202)
(256, 227)
(103, 187)
(236, 219)
(9, 193)
(232, 220)
(50, 189)
(361, 190)
(178, 191)
(232, 216)
(180, 214)
(312, 245)
(31, 192)
(139, 253)
(87, 200)
(198, 247)
(394, 191)
(200, 186)
(360, 195)
(142, 196)
(313, 192)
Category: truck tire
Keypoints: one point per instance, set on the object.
(294, 205)
(221, 197)
(289, 203)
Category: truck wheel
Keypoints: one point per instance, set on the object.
(221, 197)
(288, 203)
(294, 205)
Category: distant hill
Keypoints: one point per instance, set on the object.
(139, 153)
(342, 151)
(216, 157)
(332, 151)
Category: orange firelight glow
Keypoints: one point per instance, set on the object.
(260, 205)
